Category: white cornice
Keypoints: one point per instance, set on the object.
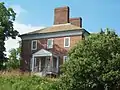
(52, 35)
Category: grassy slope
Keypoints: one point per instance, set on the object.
(17, 81)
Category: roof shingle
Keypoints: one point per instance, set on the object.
(56, 28)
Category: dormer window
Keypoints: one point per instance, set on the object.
(34, 45)
(67, 42)
(50, 43)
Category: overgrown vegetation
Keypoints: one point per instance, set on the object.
(94, 64)
(27, 83)
(13, 59)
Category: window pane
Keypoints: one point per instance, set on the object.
(66, 42)
(34, 45)
(50, 43)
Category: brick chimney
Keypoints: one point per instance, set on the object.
(76, 21)
(61, 15)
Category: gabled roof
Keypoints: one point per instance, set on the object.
(42, 53)
(56, 28)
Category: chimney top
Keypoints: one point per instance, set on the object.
(76, 21)
(62, 7)
(61, 15)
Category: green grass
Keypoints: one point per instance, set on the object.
(24, 82)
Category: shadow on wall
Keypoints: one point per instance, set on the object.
(59, 50)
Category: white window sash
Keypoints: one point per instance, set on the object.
(35, 45)
(51, 45)
(65, 41)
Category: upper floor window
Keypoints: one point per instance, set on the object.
(67, 42)
(34, 45)
(50, 43)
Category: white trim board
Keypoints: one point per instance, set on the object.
(51, 35)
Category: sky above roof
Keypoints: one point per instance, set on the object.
(35, 14)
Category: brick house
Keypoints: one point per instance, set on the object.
(45, 50)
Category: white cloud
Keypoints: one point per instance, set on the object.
(20, 27)
(23, 28)
(18, 10)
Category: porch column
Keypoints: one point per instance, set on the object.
(57, 63)
(32, 63)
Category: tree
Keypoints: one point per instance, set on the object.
(93, 64)
(14, 59)
(7, 16)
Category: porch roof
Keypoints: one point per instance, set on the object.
(42, 53)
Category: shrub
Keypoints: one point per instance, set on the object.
(93, 63)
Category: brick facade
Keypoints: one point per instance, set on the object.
(58, 48)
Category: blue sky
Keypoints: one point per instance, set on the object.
(96, 14)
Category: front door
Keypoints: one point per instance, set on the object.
(55, 64)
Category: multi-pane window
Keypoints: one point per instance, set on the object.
(34, 45)
(50, 43)
(67, 42)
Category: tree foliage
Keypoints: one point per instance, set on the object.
(7, 16)
(93, 63)
(14, 59)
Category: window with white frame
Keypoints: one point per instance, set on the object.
(34, 45)
(65, 58)
(67, 42)
(50, 43)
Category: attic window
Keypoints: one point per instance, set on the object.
(34, 45)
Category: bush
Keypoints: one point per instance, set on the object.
(93, 63)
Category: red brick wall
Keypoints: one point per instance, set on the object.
(25, 54)
(61, 15)
(76, 21)
(58, 48)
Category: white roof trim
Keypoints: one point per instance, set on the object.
(52, 35)
(42, 53)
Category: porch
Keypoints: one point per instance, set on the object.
(45, 63)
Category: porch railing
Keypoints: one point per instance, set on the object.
(49, 70)
(46, 70)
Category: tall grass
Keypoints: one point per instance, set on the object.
(18, 81)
